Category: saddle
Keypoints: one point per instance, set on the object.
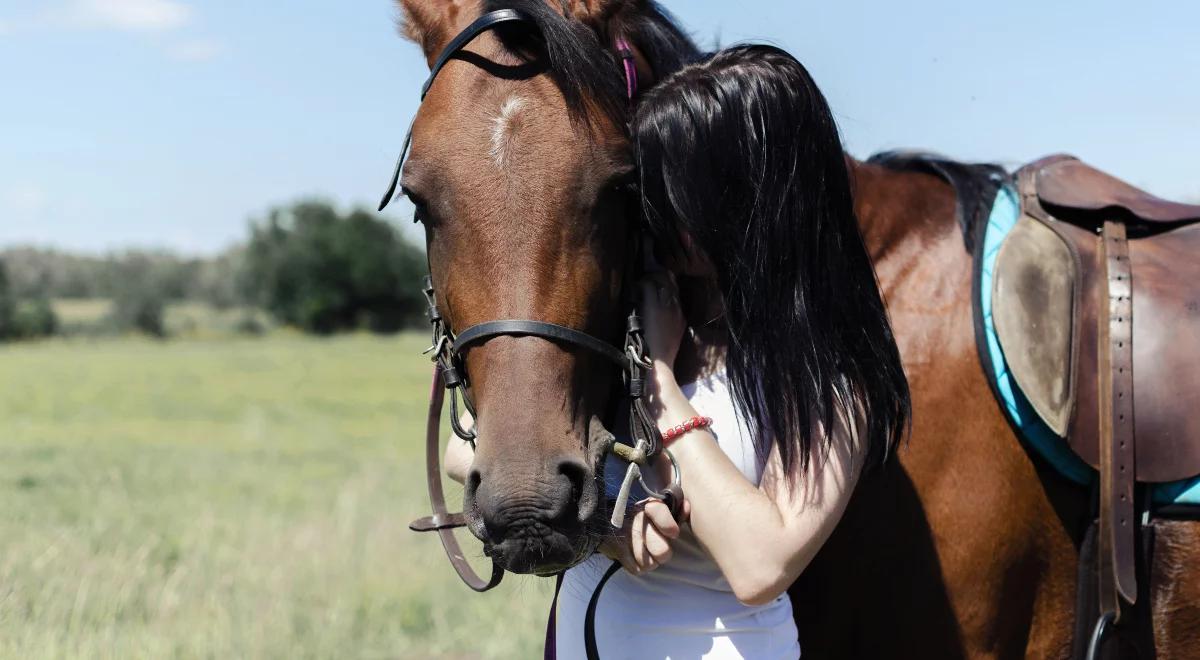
(1096, 303)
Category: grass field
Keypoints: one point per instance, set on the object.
(230, 499)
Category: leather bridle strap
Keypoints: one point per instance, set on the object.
(589, 617)
(482, 24)
(557, 333)
(442, 521)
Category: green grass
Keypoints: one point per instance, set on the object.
(231, 499)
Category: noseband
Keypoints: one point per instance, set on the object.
(447, 352)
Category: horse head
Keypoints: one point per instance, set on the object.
(520, 169)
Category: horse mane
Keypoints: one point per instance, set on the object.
(581, 59)
(975, 185)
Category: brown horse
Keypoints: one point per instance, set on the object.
(968, 546)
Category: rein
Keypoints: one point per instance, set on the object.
(447, 353)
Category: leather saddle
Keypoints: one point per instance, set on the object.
(1096, 302)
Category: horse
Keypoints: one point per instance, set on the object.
(967, 546)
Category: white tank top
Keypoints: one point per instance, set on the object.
(685, 608)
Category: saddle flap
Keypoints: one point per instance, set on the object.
(1166, 354)
(1072, 184)
(1166, 351)
(1033, 310)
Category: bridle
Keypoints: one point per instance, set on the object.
(447, 353)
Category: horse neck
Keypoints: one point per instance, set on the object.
(898, 209)
(908, 223)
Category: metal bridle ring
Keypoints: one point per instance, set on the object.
(676, 479)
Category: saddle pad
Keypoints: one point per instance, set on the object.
(1030, 427)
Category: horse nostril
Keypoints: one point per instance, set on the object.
(492, 529)
(574, 478)
(471, 488)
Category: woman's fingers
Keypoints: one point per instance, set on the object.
(648, 544)
(637, 539)
(660, 529)
(662, 314)
(660, 516)
(657, 546)
(617, 549)
(651, 534)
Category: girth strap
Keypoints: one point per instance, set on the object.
(551, 331)
(1118, 524)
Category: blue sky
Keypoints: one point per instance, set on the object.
(170, 123)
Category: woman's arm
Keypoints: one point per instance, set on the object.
(761, 537)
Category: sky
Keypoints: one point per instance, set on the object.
(171, 123)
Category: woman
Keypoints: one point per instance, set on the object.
(776, 332)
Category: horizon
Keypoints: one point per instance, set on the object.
(169, 125)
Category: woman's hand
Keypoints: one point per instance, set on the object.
(662, 318)
(644, 543)
(459, 455)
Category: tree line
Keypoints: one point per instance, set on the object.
(307, 264)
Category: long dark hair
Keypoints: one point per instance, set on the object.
(740, 153)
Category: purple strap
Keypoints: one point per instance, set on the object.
(631, 77)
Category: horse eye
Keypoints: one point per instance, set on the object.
(420, 209)
(626, 183)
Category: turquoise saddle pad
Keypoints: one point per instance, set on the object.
(1033, 431)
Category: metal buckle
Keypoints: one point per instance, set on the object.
(637, 459)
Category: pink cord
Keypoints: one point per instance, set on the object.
(631, 77)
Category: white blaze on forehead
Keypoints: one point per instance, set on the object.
(505, 126)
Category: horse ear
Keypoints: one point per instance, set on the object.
(432, 23)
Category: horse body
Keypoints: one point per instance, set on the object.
(958, 550)
(967, 547)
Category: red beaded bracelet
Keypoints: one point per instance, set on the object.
(674, 432)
